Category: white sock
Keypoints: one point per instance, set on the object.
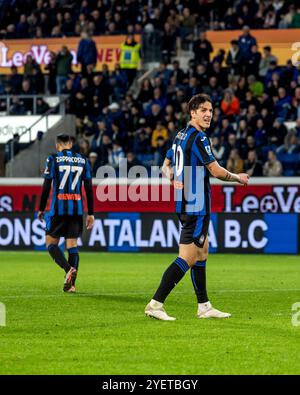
(204, 306)
(155, 304)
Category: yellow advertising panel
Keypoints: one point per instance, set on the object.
(14, 52)
(282, 41)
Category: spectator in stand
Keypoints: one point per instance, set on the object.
(278, 132)
(146, 91)
(63, 68)
(261, 134)
(270, 20)
(102, 89)
(158, 98)
(29, 65)
(296, 19)
(130, 57)
(15, 80)
(98, 137)
(235, 58)
(41, 106)
(94, 164)
(22, 27)
(142, 143)
(253, 166)
(283, 104)
(272, 168)
(87, 53)
(252, 64)
(225, 130)
(154, 116)
(246, 41)
(164, 73)
(37, 81)
(27, 90)
(104, 149)
(132, 161)
(218, 150)
(213, 90)
(51, 67)
(160, 152)
(118, 81)
(290, 145)
(168, 43)
(68, 24)
(202, 49)
(230, 105)
(17, 107)
(187, 24)
(256, 87)
(159, 132)
(193, 88)
(266, 60)
(84, 147)
(234, 162)
(115, 154)
(177, 72)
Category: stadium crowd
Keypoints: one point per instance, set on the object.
(58, 18)
(252, 94)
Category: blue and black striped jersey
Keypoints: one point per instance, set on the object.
(67, 170)
(190, 153)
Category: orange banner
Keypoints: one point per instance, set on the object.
(15, 52)
(285, 43)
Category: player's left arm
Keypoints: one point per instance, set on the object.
(222, 174)
(203, 150)
(88, 187)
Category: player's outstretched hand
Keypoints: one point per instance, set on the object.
(90, 219)
(244, 178)
(41, 216)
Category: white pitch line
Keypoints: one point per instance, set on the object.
(59, 295)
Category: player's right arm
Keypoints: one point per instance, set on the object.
(167, 169)
(48, 176)
(222, 174)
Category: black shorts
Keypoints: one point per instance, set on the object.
(194, 229)
(67, 226)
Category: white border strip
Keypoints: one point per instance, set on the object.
(6, 181)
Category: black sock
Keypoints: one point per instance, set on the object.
(59, 257)
(198, 275)
(73, 259)
(170, 278)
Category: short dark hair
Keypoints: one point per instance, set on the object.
(63, 138)
(197, 100)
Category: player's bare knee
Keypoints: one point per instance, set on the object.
(51, 240)
(71, 243)
(202, 256)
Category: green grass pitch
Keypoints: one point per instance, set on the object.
(102, 329)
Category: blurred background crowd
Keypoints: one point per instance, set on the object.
(120, 113)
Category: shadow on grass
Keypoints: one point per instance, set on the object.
(114, 297)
